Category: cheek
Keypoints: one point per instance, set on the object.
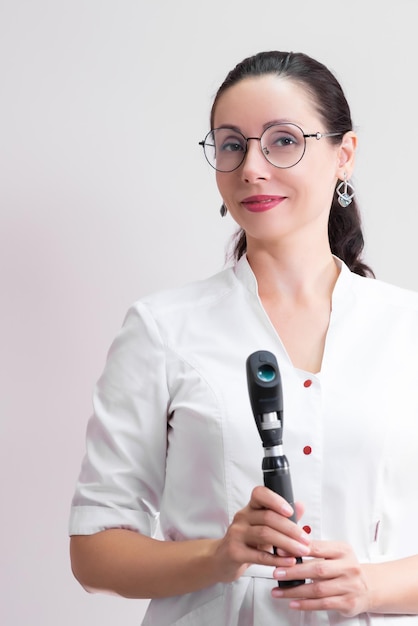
(316, 179)
(225, 184)
(218, 179)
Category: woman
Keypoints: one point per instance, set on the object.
(173, 433)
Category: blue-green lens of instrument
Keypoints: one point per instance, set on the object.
(266, 373)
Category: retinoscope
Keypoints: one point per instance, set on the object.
(266, 397)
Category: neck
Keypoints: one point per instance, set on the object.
(291, 272)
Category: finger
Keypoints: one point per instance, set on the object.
(281, 559)
(333, 603)
(346, 604)
(262, 557)
(325, 579)
(279, 524)
(264, 498)
(311, 590)
(309, 569)
(267, 521)
(256, 536)
(330, 549)
(299, 510)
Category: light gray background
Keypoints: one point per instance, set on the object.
(105, 196)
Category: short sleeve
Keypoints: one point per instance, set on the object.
(123, 471)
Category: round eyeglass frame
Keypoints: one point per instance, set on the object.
(317, 136)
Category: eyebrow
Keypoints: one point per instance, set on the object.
(264, 126)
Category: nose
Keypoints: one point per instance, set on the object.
(255, 166)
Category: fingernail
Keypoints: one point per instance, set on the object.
(287, 509)
(279, 573)
(305, 537)
(303, 549)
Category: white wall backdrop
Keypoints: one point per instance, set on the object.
(105, 196)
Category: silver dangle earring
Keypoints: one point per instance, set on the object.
(344, 197)
(223, 210)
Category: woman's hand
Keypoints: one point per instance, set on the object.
(338, 581)
(250, 538)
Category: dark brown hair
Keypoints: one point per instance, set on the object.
(344, 226)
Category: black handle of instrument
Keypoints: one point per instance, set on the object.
(277, 478)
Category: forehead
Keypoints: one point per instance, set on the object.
(260, 99)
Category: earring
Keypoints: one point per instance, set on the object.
(223, 210)
(345, 198)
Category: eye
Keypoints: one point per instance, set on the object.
(228, 140)
(283, 138)
(232, 144)
(284, 141)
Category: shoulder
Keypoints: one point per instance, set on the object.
(174, 315)
(206, 293)
(374, 306)
(382, 294)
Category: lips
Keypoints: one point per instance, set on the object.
(259, 204)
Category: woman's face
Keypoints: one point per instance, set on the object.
(270, 203)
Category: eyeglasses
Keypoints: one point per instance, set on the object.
(283, 145)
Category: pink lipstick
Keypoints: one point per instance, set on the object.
(258, 204)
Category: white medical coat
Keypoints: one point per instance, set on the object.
(173, 435)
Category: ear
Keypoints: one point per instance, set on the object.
(346, 155)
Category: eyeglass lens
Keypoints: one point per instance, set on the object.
(283, 145)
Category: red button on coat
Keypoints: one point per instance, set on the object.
(307, 450)
(307, 383)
